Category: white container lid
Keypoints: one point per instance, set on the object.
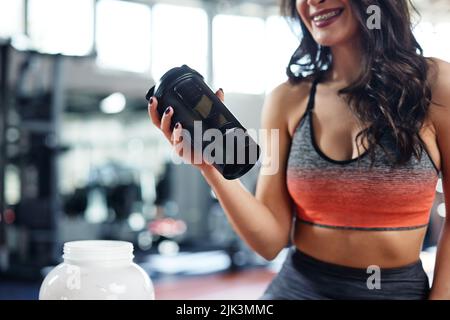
(98, 250)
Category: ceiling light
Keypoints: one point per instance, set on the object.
(114, 103)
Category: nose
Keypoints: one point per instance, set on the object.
(315, 2)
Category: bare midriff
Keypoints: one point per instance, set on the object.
(360, 249)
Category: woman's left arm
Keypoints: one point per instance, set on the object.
(441, 280)
(440, 116)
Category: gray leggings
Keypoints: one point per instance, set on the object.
(303, 277)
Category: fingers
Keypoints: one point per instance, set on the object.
(176, 134)
(165, 122)
(220, 94)
(177, 139)
(153, 113)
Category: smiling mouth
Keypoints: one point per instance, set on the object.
(320, 18)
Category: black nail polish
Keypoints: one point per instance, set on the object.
(151, 101)
(177, 125)
(167, 110)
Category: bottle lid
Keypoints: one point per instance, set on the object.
(98, 250)
(167, 80)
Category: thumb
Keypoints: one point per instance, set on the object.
(220, 94)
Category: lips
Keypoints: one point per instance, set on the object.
(325, 17)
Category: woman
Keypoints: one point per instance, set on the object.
(364, 132)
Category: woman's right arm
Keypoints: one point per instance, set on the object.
(263, 221)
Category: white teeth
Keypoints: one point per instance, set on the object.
(326, 16)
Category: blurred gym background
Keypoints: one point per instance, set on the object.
(79, 158)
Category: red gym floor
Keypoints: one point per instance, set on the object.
(248, 285)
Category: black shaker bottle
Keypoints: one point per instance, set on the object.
(192, 100)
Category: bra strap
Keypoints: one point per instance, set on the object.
(312, 95)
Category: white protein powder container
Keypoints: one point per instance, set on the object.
(97, 270)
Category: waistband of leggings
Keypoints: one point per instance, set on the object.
(301, 260)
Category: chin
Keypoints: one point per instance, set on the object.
(330, 40)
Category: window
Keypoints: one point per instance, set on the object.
(11, 17)
(425, 35)
(123, 35)
(239, 53)
(281, 45)
(443, 48)
(180, 36)
(62, 26)
(433, 39)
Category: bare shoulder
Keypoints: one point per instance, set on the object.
(439, 78)
(285, 102)
(288, 93)
(440, 87)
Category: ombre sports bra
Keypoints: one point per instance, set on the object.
(352, 195)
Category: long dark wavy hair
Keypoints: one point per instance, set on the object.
(392, 93)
